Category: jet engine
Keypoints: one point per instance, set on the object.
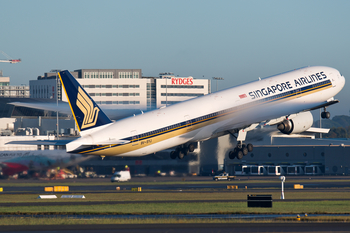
(300, 123)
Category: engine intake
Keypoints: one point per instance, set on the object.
(286, 126)
(302, 122)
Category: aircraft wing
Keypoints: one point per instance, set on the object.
(325, 104)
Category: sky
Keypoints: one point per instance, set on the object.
(239, 41)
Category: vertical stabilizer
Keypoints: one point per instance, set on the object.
(86, 112)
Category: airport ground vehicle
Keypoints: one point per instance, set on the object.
(121, 176)
(223, 176)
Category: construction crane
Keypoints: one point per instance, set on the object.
(9, 59)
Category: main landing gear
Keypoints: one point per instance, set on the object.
(241, 149)
(182, 150)
(325, 114)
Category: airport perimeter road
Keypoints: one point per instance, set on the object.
(186, 228)
(177, 178)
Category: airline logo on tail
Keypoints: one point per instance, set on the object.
(86, 106)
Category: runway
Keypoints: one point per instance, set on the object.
(185, 228)
(150, 184)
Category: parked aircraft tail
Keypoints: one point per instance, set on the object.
(86, 112)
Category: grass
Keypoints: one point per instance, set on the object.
(70, 221)
(314, 207)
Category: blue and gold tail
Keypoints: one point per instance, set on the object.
(86, 112)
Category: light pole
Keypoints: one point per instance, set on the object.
(57, 129)
(217, 78)
(283, 179)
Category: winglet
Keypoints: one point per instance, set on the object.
(86, 112)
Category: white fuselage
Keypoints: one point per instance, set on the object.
(214, 114)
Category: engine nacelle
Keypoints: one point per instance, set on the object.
(300, 123)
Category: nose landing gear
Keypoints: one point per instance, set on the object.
(325, 114)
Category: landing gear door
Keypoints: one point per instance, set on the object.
(135, 138)
(188, 122)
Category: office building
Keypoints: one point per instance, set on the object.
(8, 91)
(125, 88)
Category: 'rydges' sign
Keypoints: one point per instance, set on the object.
(181, 81)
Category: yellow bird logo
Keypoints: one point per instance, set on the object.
(87, 107)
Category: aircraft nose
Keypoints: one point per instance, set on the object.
(341, 81)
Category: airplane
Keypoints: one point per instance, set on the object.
(283, 100)
(29, 161)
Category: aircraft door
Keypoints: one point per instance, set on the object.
(298, 92)
(188, 122)
(135, 138)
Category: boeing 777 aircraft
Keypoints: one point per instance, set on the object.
(283, 100)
